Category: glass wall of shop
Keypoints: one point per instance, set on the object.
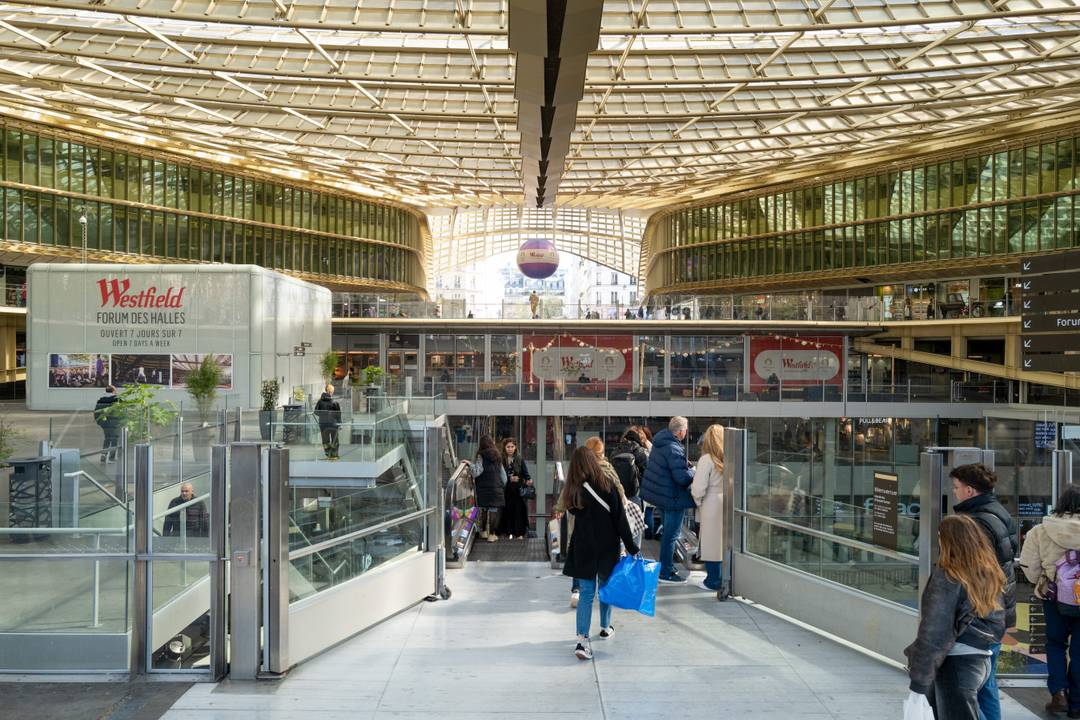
(134, 203)
(991, 202)
(703, 366)
(455, 364)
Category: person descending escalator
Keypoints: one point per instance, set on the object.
(519, 490)
(490, 487)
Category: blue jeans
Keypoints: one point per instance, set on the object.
(575, 585)
(989, 700)
(672, 532)
(714, 571)
(584, 608)
(1061, 635)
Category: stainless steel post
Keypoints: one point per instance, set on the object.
(218, 469)
(734, 499)
(223, 430)
(244, 578)
(142, 618)
(277, 563)
(931, 468)
(121, 486)
(238, 435)
(436, 540)
(179, 448)
(1062, 473)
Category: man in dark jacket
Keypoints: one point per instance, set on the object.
(195, 518)
(973, 488)
(666, 485)
(328, 413)
(109, 424)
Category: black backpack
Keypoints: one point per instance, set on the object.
(626, 468)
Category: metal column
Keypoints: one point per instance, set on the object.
(734, 497)
(436, 537)
(218, 522)
(276, 656)
(142, 605)
(931, 468)
(244, 605)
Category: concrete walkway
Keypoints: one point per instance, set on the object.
(501, 648)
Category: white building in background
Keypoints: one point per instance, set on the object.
(598, 288)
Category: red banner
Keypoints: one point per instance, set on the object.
(587, 358)
(795, 361)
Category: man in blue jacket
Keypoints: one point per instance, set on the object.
(667, 486)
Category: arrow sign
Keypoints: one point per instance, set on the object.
(1027, 324)
(1062, 323)
(1052, 363)
(1053, 343)
(1051, 282)
(1055, 302)
(1051, 263)
(1027, 304)
(1027, 285)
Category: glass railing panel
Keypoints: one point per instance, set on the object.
(874, 573)
(62, 596)
(181, 628)
(312, 572)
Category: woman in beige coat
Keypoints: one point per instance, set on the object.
(708, 492)
(1044, 546)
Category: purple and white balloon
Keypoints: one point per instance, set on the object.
(538, 258)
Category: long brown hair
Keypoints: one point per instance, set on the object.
(712, 444)
(584, 468)
(967, 558)
(509, 441)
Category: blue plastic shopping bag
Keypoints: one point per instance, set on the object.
(632, 585)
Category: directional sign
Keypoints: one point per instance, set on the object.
(1050, 263)
(1038, 304)
(298, 353)
(1050, 343)
(1065, 322)
(1052, 282)
(305, 344)
(1051, 363)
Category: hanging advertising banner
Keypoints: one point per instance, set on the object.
(589, 358)
(795, 361)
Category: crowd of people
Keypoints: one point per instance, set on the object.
(615, 496)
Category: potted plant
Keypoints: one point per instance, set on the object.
(139, 411)
(270, 391)
(328, 365)
(372, 377)
(202, 385)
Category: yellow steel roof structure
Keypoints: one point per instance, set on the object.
(417, 100)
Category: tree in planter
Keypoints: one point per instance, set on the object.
(373, 375)
(328, 364)
(139, 411)
(202, 386)
(269, 391)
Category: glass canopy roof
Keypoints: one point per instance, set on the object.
(414, 99)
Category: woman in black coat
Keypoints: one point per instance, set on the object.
(490, 495)
(599, 524)
(515, 517)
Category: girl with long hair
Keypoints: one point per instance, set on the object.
(515, 522)
(962, 616)
(1045, 545)
(708, 492)
(599, 524)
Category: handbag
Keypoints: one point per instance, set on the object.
(528, 492)
(636, 517)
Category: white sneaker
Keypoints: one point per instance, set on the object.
(483, 534)
(574, 597)
(583, 651)
(607, 632)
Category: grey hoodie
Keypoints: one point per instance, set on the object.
(1046, 543)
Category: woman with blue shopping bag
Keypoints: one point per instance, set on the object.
(599, 524)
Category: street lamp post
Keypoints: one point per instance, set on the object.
(82, 225)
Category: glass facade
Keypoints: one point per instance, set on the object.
(991, 202)
(158, 207)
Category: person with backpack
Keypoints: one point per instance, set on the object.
(961, 616)
(599, 524)
(1051, 561)
(708, 492)
(109, 424)
(973, 489)
(328, 414)
(629, 459)
(515, 520)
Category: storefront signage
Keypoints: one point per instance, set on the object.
(609, 360)
(886, 490)
(796, 361)
(1045, 435)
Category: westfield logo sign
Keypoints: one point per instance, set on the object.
(118, 294)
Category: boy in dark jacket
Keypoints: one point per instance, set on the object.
(328, 413)
(666, 485)
(973, 488)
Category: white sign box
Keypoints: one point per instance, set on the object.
(92, 325)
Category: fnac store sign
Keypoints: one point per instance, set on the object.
(796, 360)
